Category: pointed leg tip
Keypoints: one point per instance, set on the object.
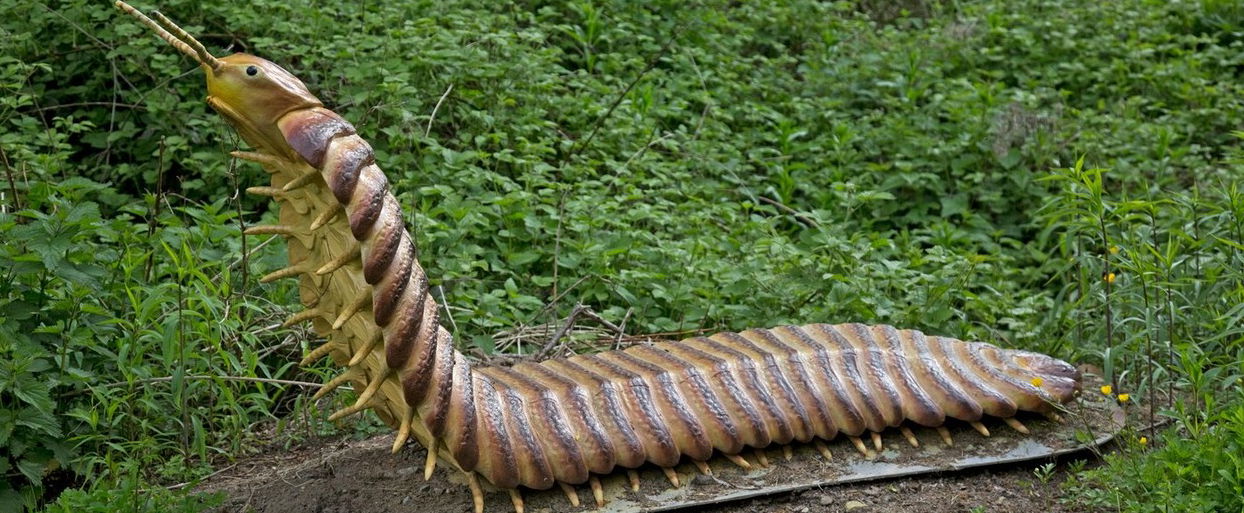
(1017, 425)
(633, 476)
(672, 475)
(787, 452)
(877, 441)
(517, 498)
(571, 494)
(598, 493)
(980, 428)
(739, 460)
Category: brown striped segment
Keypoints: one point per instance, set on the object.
(345, 159)
(701, 399)
(936, 380)
(650, 426)
(917, 405)
(462, 443)
(391, 286)
(549, 422)
(435, 411)
(842, 410)
(367, 202)
(381, 249)
(884, 390)
(815, 412)
(768, 386)
(593, 441)
(793, 410)
(415, 372)
(496, 456)
(737, 402)
(686, 430)
(309, 132)
(991, 401)
(845, 363)
(627, 450)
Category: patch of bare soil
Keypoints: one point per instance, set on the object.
(993, 474)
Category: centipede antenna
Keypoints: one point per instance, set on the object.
(204, 56)
(201, 57)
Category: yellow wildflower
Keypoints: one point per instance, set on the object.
(1110, 277)
(1124, 397)
(1107, 389)
(1144, 441)
(1114, 250)
(1037, 382)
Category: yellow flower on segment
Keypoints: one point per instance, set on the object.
(1037, 382)
(1144, 441)
(1110, 277)
(1124, 397)
(1107, 390)
(1114, 250)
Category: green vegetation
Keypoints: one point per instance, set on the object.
(1057, 175)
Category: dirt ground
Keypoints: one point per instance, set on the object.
(363, 476)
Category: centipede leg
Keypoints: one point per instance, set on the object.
(1016, 425)
(429, 466)
(571, 494)
(762, 459)
(598, 493)
(738, 460)
(517, 499)
(823, 449)
(877, 440)
(787, 452)
(477, 493)
(859, 445)
(911, 437)
(980, 428)
(633, 476)
(945, 434)
(703, 466)
(672, 476)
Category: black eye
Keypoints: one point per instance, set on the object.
(252, 71)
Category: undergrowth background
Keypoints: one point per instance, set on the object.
(1061, 176)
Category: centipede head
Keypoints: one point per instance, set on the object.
(249, 91)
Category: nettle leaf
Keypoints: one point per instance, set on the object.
(38, 420)
(34, 392)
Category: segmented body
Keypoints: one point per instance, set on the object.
(565, 420)
(559, 421)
